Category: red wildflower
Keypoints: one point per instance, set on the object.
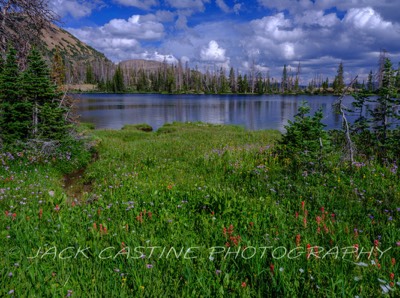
(305, 221)
(244, 284)
(318, 219)
(40, 213)
(298, 239)
(376, 243)
(271, 268)
(392, 276)
(393, 261)
(302, 204)
(297, 215)
(94, 226)
(322, 209)
(14, 215)
(308, 250)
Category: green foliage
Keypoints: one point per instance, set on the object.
(200, 187)
(30, 103)
(118, 81)
(305, 142)
(338, 83)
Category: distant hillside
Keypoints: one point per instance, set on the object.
(78, 56)
(146, 65)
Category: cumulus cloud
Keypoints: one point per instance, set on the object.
(120, 39)
(75, 8)
(213, 52)
(366, 18)
(134, 28)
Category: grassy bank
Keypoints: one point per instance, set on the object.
(197, 210)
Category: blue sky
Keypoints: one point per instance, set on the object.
(261, 34)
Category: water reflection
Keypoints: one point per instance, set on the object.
(253, 112)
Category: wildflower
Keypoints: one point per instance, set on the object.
(305, 221)
(322, 209)
(11, 292)
(94, 226)
(57, 208)
(14, 216)
(271, 268)
(376, 243)
(393, 261)
(218, 272)
(40, 213)
(10, 274)
(302, 204)
(244, 284)
(391, 276)
(357, 278)
(301, 270)
(398, 243)
(149, 266)
(297, 215)
(318, 219)
(298, 239)
(51, 193)
(69, 293)
(308, 250)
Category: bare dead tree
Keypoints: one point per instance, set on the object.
(341, 109)
(22, 22)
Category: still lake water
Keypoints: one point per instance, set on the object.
(253, 112)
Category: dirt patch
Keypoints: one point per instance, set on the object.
(74, 186)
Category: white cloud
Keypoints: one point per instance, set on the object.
(195, 5)
(120, 39)
(142, 4)
(222, 5)
(317, 18)
(134, 28)
(213, 52)
(237, 7)
(76, 9)
(366, 18)
(155, 56)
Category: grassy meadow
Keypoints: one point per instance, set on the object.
(196, 210)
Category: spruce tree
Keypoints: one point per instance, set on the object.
(14, 117)
(47, 112)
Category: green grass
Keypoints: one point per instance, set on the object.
(202, 187)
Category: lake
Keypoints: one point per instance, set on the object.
(253, 112)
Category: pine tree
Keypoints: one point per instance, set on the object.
(384, 112)
(338, 84)
(14, 117)
(118, 81)
(370, 84)
(58, 70)
(47, 113)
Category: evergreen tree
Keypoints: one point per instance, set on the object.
(58, 70)
(47, 112)
(14, 117)
(118, 81)
(232, 81)
(384, 113)
(338, 84)
(370, 83)
(90, 79)
(284, 82)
